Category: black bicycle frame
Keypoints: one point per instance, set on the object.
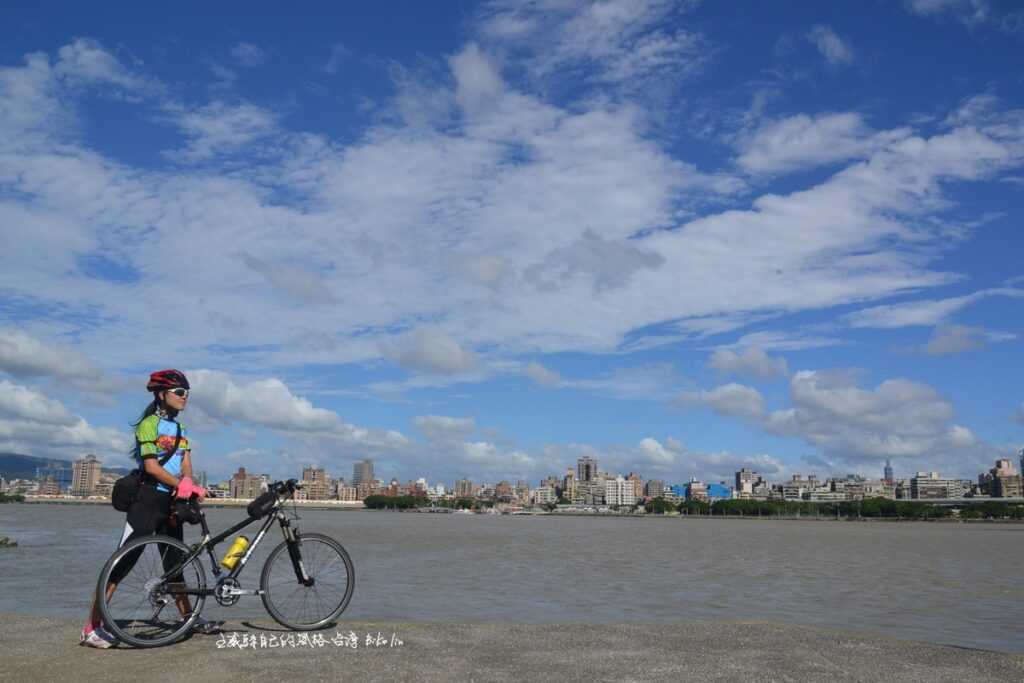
(291, 536)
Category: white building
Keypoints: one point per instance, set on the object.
(618, 491)
(544, 495)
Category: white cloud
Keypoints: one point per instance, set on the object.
(785, 340)
(897, 419)
(628, 41)
(731, 399)
(834, 49)
(248, 54)
(339, 54)
(432, 351)
(653, 382)
(948, 339)
(970, 12)
(293, 280)
(437, 221)
(85, 61)
(802, 141)
(444, 429)
(22, 355)
(266, 402)
(924, 312)
(671, 460)
(220, 128)
(35, 424)
(542, 375)
(752, 362)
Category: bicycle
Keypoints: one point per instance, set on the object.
(306, 582)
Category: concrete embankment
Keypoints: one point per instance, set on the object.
(39, 648)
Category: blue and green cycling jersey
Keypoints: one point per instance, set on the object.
(154, 437)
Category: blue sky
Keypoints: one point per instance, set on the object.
(483, 239)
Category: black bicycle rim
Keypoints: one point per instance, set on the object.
(304, 608)
(143, 611)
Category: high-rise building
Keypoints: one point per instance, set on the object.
(246, 486)
(638, 485)
(888, 472)
(586, 469)
(746, 481)
(1006, 480)
(618, 491)
(85, 475)
(315, 482)
(464, 488)
(569, 484)
(655, 488)
(362, 472)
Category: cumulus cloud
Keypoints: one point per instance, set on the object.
(834, 49)
(753, 362)
(432, 351)
(897, 419)
(266, 402)
(34, 424)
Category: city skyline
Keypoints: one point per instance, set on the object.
(483, 239)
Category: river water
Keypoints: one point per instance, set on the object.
(959, 584)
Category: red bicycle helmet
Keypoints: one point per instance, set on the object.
(161, 380)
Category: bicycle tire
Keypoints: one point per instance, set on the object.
(133, 614)
(303, 608)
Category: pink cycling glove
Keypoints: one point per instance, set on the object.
(186, 488)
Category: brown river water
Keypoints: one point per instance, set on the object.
(958, 584)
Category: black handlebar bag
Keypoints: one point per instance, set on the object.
(262, 506)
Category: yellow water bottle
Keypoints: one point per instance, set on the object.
(235, 552)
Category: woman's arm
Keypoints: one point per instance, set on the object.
(155, 469)
(186, 464)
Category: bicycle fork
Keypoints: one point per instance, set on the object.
(294, 540)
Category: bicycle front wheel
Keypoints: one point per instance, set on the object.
(156, 597)
(301, 607)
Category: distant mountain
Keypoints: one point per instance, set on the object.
(18, 466)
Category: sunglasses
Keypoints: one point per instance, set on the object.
(179, 392)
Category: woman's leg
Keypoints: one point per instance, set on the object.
(143, 519)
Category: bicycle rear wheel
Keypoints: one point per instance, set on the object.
(305, 608)
(145, 609)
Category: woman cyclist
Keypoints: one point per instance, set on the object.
(157, 434)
